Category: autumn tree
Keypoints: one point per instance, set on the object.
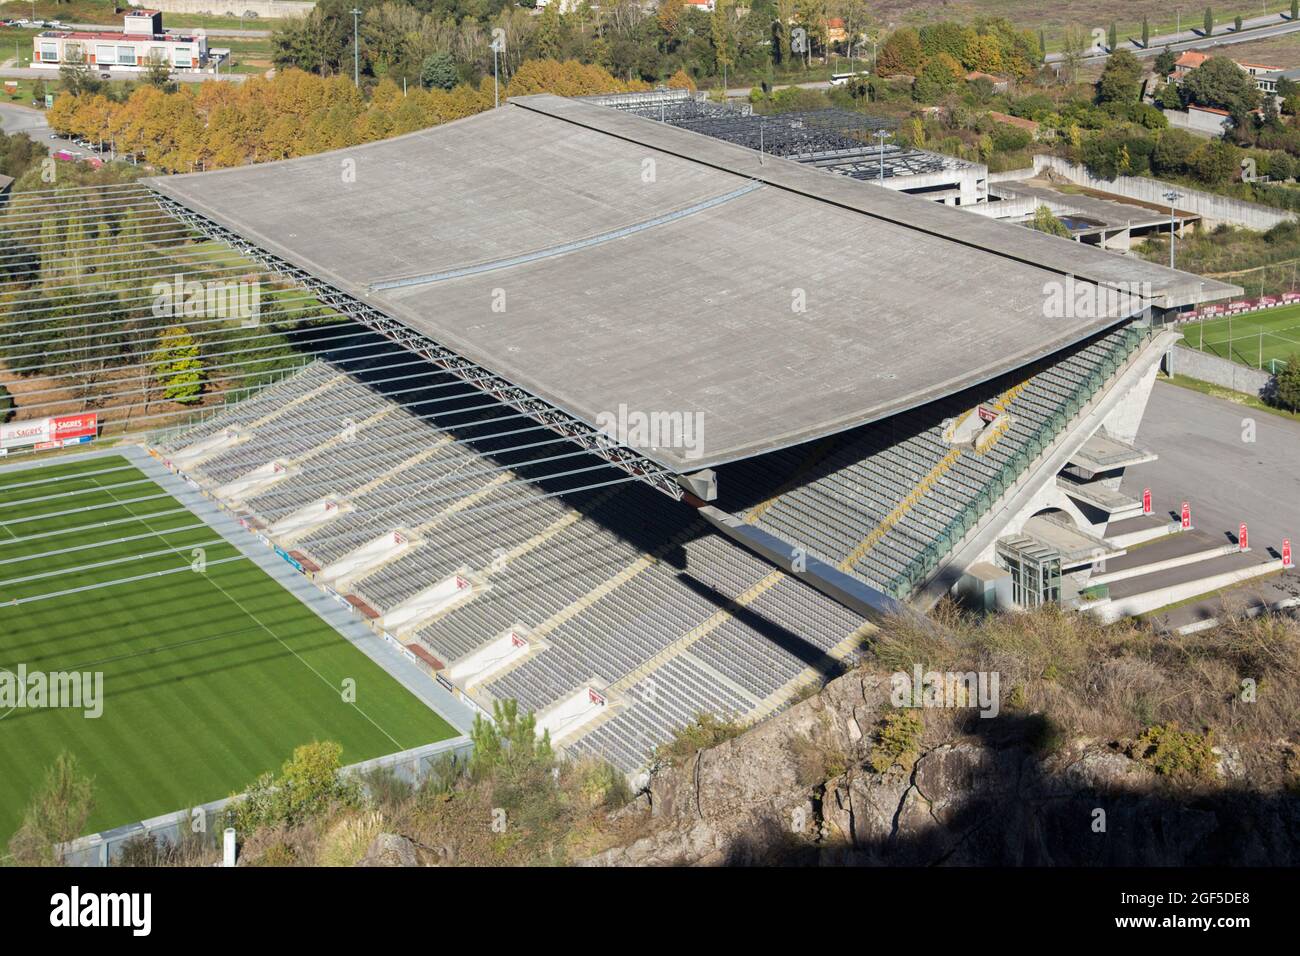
(901, 53)
(176, 367)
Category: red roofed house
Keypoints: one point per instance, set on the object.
(141, 42)
(1188, 62)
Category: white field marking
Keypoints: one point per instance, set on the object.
(256, 620)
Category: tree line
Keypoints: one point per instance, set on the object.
(214, 125)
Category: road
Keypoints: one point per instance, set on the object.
(51, 75)
(24, 119)
(208, 31)
(1255, 28)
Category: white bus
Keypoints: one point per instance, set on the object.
(839, 79)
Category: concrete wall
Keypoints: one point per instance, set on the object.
(1197, 121)
(1211, 208)
(1216, 371)
(265, 9)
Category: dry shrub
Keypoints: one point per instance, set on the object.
(346, 841)
(1115, 681)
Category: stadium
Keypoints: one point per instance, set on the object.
(613, 417)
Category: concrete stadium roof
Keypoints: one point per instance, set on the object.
(604, 261)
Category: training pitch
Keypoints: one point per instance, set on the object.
(1274, 332)
(212, 672)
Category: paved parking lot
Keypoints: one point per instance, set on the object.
(1207, 459)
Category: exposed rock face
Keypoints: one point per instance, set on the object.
(389, 849)
(979, 800)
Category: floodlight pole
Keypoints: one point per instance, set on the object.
(880, 135)
(496, 92)
(1173, 196)
(356, 49)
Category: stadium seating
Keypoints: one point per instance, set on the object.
(858, 492)
(620, 585)
(612, 578)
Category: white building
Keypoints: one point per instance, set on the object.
(141, 42)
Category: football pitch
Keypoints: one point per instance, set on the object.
(212, 672)
(1257, 339)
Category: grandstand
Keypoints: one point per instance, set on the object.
(446, 466)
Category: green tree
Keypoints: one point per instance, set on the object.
(1209, 22)
(1287, 389)
(1166, 59)
(177, 368)
(1173, 152)
(1073, 47)
(438, 72)
(1112, 36)
(1045, 221)
(944, 37)
(508, 744)
(6, 404)
(1215, 162)
(1236, 23)
(720, 36)
(1121, 79)
(1220, 83)
(158, 73)
(310, 782)
(57, 814)
(1146, 33)
(1295, 9)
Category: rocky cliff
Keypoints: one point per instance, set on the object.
(802, 789)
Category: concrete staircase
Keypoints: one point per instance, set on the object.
(1173, 569)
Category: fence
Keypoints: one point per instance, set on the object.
(105, 848)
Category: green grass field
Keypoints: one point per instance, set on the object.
(210, 677)
(1274, 332)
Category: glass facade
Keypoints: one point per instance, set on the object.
(1035, 571)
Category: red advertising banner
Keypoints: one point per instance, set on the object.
(1146, 501)
(1286, 552)
(63, 427)
(1243, 538)
(1187, 516)
(52, 432)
